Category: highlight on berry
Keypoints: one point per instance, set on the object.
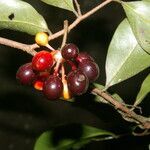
(48, 72)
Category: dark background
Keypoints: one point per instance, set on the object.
(25, 113)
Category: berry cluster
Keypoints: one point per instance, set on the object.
(47, 70)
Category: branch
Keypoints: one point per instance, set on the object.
(127, 114)
(25, 47)
(65, 34)
(31, 48)
(79, 19)
(78, 8)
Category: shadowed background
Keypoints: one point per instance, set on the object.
(25, 113)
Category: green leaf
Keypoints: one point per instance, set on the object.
(117, 97)
(144, 90)
(21, 16)
(47, 141)
(138, 14)
(125, 57)
(64, 4)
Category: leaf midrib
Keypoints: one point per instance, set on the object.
(108, 85)
(24, 22)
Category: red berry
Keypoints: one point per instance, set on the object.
(40, 78)
(77, 82)
(42, 60)
(84, 56)
(53, 87)
(90, 68)
(70, 51)
(25, 74)
(38, 85)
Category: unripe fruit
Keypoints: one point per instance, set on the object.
(70, 51)
(66, 92)
(41, 38)
(42, 60)
(90, 68)
(77, 82)
(38, 85)
(25, 74)
(53, 87)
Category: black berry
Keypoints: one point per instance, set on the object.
(53, 87)
(90, 68)
(25, 74)
(70, 51)
(77, 82)
(84, 56)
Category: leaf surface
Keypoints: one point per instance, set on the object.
(144, 90)
(138, 14)
(64, 4)
(21, 16)
(47, 140)
(125, 56)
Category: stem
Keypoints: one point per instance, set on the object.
(78, 8)
(63, 72)
(56, 69)
(65, 34)
(79, 19)
(27, 48)
(30, 49)
(126, 113)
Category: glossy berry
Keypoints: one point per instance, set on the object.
(90, 68)
(41, 77)
(41, 38)
(77, 82)
(25, 74)
(53, 87)
(70, 51)
(84, 56)
(38, 85)
(42, 60)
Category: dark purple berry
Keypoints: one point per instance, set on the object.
(90, 68)
(83, 56)
(77, 82)
(70, 51)
(25, 74)
(53, 87)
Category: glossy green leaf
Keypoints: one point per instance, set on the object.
(21, 16)
(64, 4)
(125, 57)
(144, 90)
(46, 140)
(138, 14)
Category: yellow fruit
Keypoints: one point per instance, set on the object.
(66, 93)
(41, 38)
